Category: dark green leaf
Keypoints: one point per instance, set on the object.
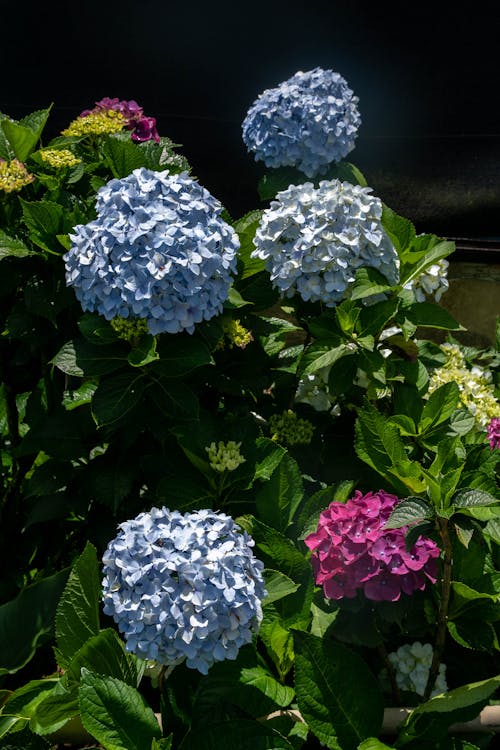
(278, 585)
(122, 156)
(246, 228)
(467, 498)
(278, 499)
(20, 632)
(431, 315)
(144, 353)
(368, 283)
(242, 734)
(341, 713)
(104, 654)
(408, 511)
(400, 230)
(439, 407)
(116, 396)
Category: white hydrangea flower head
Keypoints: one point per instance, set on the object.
(315, 239)
(475, 385)
(431, 283)
(412, 663)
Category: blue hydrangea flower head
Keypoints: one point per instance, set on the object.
(314, 239)
(183, 587)
(309, 122)
(158, 250)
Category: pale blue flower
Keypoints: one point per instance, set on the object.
(183, 587)
(158, 250)
(309, 122)
(315, 239)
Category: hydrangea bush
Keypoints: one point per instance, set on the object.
(249, 466)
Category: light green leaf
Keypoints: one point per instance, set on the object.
(262, 680)
(278, 585)
(246, 228)
(467, 498)
(430, 721)
(116, 714)
(439, 407)
(11, 247)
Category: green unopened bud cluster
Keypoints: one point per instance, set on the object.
(59, 157)
(475, 385)
(13, 176)
(96, 123)
(129, 330)
(225, 456)
(290, 429)
(235, 334)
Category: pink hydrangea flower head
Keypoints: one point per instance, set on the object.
(145, 130)
(494, 433)
(351, 551)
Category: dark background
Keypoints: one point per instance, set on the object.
(427, 76)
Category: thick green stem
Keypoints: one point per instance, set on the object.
(442, 624)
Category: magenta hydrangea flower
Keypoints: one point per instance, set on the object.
(144, 128)
(494, 433)
(352, 551)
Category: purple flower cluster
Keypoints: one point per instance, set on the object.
(143, 128)
(494, 433)
(351, 551)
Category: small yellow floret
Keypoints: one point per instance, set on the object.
(14, 175)
(97, 123)
(235, 334)
(129, 330)
(59, 157)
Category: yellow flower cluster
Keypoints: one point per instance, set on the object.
(288, 428)
(474, 384)
(97, 123)
(224, 456)
(59, 157)
(14, 175)
(129, 330)
(234, 335)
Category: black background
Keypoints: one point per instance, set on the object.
(427, 76)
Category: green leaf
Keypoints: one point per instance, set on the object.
(45, 220)
(20, 632)
(408, 511)
(235, 300)
(318, 356)
(116, 396)
(341, 712)
(22, 140)
(144, 353)
(164, 744)
(467, 498)
(431, 315)
(58, 707)
(24, 739)
(95, 359)
(368, 282)
(174, 398)
(77, 614)
(431, 720)
(65, 360)
(180, 354)
(278, 499)
(246, 228)
(97, 329)
(104, 654)
(373, 744)
(400, 230)
(270, 456)
(11, 247)
(116, 714)
(262, 680)
(439, 407)
(278, 585)
(242, 734)
(122, 156)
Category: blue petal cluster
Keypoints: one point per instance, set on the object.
(314, 239)
(158, 250)
(308, 122)
(183, 587)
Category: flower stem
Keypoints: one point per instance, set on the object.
(443, 607)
